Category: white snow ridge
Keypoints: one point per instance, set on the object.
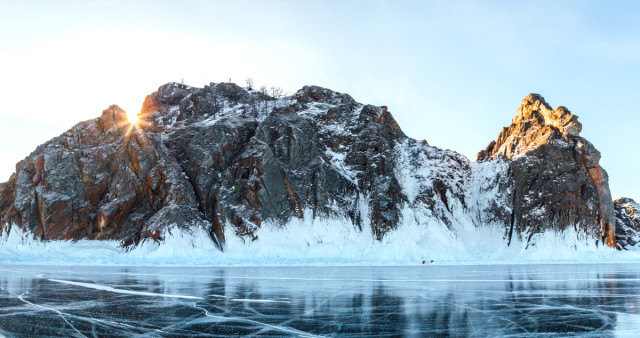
(320, 242)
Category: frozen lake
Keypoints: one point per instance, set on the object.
(522, 300)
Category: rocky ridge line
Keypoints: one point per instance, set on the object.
(232, 160)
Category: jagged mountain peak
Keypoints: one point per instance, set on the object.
(535, 124)
(534, 106)
(535, 99)
(626, 201)
(556, 172)
(308, 94)
(114, 117)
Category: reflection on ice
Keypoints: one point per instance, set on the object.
(522, 300)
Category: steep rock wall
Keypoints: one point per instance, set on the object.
(556, 178)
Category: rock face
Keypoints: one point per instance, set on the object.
(317, 151)
(102, 179)
(231, 161)
(627, 222)
(555, 176)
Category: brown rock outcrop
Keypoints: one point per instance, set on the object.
(102, 179)
(556, 178)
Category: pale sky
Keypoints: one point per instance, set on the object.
(451, 72)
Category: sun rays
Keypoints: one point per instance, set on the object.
(133, 117)
(135, 128)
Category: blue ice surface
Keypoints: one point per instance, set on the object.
(482, 300)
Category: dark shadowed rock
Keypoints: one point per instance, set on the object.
(627, 222)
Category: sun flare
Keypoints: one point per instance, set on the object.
(132, 116)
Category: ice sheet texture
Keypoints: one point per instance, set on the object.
(520, 300)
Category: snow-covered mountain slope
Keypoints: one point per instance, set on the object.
(314, 174)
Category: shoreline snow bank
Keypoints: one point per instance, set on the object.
(307, 242)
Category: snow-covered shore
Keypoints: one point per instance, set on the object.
(307, 243)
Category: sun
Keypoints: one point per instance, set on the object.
(132, 116)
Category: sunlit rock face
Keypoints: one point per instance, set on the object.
(556, 179)
(102, 179)
(230, 160)
(627, 222)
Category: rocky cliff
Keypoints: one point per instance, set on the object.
(627, 222)
(231, 160)
(556, 179)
